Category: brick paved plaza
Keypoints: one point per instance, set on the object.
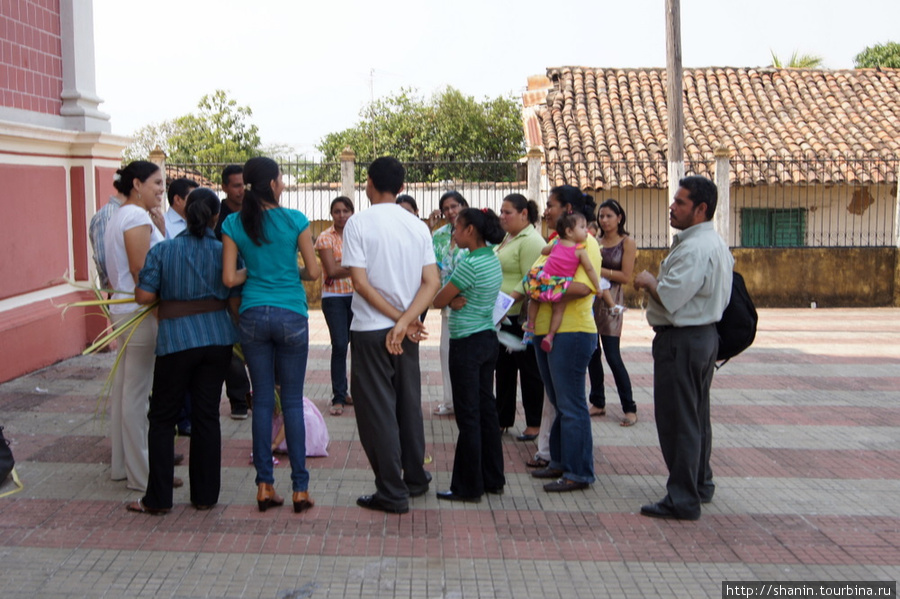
(806, 454)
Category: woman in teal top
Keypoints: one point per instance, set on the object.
(273, 318)
(478, 464)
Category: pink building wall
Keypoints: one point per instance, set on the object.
(57, 160)
(31, 76)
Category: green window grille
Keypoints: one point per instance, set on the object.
(763, 227)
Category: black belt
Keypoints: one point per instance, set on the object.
(662, 327)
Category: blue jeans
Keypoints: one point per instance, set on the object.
(277, 339)
(338, 317)
(563, 371)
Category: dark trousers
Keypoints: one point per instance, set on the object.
(683, 367)
(478, 463)
(338, 317)
(597, 397)
(521, 365)
(237, 385)
(199, 371)
(387, 399)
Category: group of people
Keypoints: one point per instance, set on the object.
(376, 291)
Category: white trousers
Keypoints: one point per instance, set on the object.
(130, 402)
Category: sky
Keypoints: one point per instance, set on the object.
(307, 69)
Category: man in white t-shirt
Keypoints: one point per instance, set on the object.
(389, 253)
(177, 194)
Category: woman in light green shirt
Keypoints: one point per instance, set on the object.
(517, 253)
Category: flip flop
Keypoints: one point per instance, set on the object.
(626, 421)
(595, 411)
(336, 410)
(139, 507)
(537, 463)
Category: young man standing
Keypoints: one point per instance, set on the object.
(237, 385)
(395, 278)
(686, 302)
(177, 194)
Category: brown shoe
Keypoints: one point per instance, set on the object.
(302, 501)
(177, 483)
(266, 497)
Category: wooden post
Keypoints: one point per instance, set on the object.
(674, 98)
(348, 173)
(722, 219)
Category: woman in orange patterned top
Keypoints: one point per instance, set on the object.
(337, 295)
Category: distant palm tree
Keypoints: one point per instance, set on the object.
(798, 61)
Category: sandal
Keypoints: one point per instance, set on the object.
(595, 411)
(630, 419)
(139, 507)
(336, 409)
(537, 462)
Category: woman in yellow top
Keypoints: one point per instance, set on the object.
(563, 370)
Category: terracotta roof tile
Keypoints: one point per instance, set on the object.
(589, 119)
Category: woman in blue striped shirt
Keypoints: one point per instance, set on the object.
(193, 350)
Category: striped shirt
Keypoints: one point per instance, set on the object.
(189, 268)
(478, 279)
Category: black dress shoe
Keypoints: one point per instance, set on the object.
(547, 473)
(563, 485)
(451, 496)
(494, 490)
(371, 502)
(179, 459)
(658, 510)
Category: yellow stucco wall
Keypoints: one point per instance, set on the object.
(795, 277)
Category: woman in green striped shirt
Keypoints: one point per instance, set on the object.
(478, 463)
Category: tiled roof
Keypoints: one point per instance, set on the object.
(588, 119)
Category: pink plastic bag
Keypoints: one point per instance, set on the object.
(316, 431)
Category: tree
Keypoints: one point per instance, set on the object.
(449, 127)
(798, 61)
(220, 131)
(885, 56)
(148, 138)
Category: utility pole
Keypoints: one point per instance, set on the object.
(674, 97)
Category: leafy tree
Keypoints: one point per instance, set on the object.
(450, 127)
(798, 61)
(220, 131)
(885, 56)
(148, 138)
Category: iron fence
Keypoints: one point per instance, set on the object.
(311, 186)
(777, 202)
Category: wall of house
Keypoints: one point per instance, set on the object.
(31, 76)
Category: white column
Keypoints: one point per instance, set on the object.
(348, 173)
(722, 219)
(79, 95)
(533, 192)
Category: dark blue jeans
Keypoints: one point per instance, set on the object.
(563, 371)
(277, 338)
(338, 317)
